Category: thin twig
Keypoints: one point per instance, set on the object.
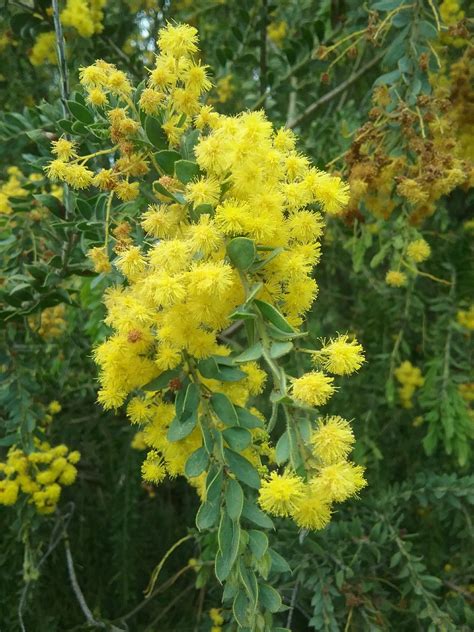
(77, 589)
(55, 539)
(294, 594)
(333, 93)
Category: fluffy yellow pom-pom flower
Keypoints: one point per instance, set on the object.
(153, 469)
(395, 278)
(419, 250)
(342, 356)
(314, 388)
(333, 440)
(340, 481)
(281, 493)
(313, 511)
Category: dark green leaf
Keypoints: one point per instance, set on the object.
(237, 438)
(224, 409)
(185, 170)
(234, 499)
(196, 463)
(80, 112)
(242, 468)
(241, 251)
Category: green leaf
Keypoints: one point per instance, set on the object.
(234, 499)
(282, 449)
(242, 314)
(279, 349)
(272, 315)
(242, 468)
(180, 429)
(229, 541)
(269, 598)
(224, 533)
(10, 440)
(388, 78)
(251, 354)
(224, 409)
(166, 160)
(240, 608)
(186, 170)
(249, 582)
(252, 513)
(161, 189)
(80, 112)
(51, 202)
(210, 368)
(279, 564)
(214, 484)
(197, 463)
(258, 543)
(241, 251)
(237, 438)
(162, 381)
(208, 515)
(246, 419)
(155, 133)
(191, 401)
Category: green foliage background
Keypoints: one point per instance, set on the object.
(397, 558)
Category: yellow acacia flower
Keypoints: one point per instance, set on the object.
(280, 493)
(313, 510)
(333, 440)
(395, 278)
(418, 250)
(340, 480)
(153, 469)
(314, 388)
(341, 356)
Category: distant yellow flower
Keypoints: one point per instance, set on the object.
(418, 250)
(395, 278)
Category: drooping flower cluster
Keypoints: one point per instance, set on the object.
(410, 378)
(38, 475)
(239, 220)
(331, 478)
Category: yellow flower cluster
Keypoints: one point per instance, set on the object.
(85, 16)
(52, 322)
(44, 49)
(339, 357)
(410, 378)
(277, 31)
(331, 478)
(246, 220)
(465, 318)
(217, 619)
(12, 187)
(39, 475)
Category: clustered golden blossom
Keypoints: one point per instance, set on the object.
(51, 322)
(243, 224)
(410, 378)
(39, 475)
(85, 17)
